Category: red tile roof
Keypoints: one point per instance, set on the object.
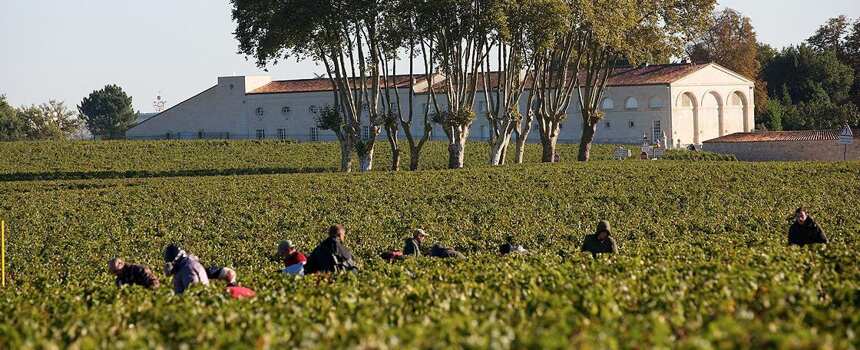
(621, 76)
(775, 136)
(316, 85)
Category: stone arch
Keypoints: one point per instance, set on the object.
(739, 100)
(711, 116)
(631, 103)
(607, 104)
(685, 124)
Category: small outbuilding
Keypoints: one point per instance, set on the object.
(803, 145)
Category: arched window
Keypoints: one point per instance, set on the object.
(686, 100)
(631, 104)
(607, 104)
(736, 99)
(655, 103)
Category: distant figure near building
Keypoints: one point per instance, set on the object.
(804, 230)
(132, 274)
(601, 241)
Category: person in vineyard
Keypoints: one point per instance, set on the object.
(132, 274)
(439, 251)
(225, 274)
(412, 245)
(186, 269)
(294, 260)
(804, 230)
(601, 241)
(331, 255)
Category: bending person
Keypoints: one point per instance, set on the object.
(412, 246)
(601, 241)
(185, 269)
(331, 255)
(294, 260)
(132, 274)
(804, 230)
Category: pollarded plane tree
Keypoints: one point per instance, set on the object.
(521, 28)
(603, 33)
(458, 33)
(346, 37)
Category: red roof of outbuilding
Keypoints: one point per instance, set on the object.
(323, 84)
(775, 136)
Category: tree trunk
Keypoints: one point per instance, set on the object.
(414, 153)
(365, 160)
(395, 159)
(504, 154)
(345, 157)
(497, 150)
(548, 155)
(456, 155)
(520, 150)
(585, 142)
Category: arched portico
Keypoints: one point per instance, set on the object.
(685, 123)
(710, 117)
(739, 112)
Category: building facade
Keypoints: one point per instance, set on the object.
(680, 104)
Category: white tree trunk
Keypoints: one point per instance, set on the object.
(366, 161)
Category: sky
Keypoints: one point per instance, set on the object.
(63, 50)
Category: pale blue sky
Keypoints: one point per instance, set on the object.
(62, 49)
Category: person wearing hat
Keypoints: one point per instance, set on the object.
(132, 274)
(294, 260)
(601, 241)
(804, 230)
(185, 269)
(510, 248)
(412, 245)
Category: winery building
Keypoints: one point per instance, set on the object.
(681, 104)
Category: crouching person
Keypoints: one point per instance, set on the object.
(601, 241)
(225, 274)
(331, 255)
(294, 260)
(804, 230)
(185, 269)
(438, 251)
(132, 274)
(412, 245)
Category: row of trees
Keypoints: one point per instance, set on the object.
(106, 112)
(555, 52)
(813, 85)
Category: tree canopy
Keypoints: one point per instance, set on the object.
(107, 112)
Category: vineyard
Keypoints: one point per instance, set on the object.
(703, 260)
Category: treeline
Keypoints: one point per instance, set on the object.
(550, 52)
(106, 113)
(812, 85)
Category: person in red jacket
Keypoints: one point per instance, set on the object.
(294, 260)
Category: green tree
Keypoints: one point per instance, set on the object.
(731, 42)
(107, 112)
(831, 37)
(803, 74)
(601, 34)
(12, 126)
(49, 121)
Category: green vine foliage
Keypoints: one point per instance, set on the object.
(703, 261)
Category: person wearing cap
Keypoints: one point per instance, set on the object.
(601, 241)
(804, 230)
(294, 260)
(412, 245)
(186, 269)
(132, 274)
(331, 255)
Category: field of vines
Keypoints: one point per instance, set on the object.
(703, 260)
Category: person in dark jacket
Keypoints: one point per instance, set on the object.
(412, 246)
(185, 269)
(438, 251)
(132, 274)
(331, 255)
(601, 241)
(804, 230)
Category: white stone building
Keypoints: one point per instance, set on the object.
(686, 103)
